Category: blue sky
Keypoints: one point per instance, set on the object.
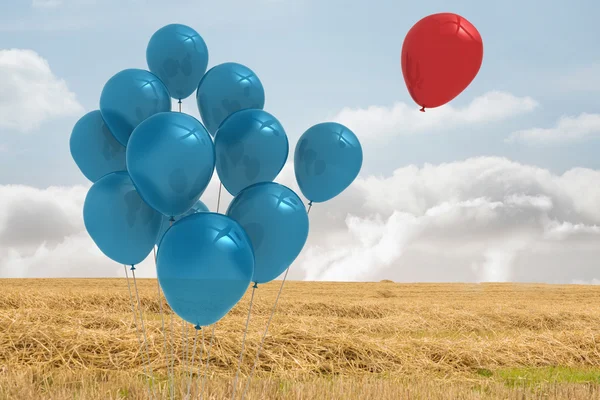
(331, 59)
(316, 57)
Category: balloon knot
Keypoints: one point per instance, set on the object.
(172, 219)
(197, 327)
(422, 109)
(310, 203)
(132, 268)
(255, 285)
(179, 101)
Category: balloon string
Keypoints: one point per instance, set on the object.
(184, 333)
(201, 353)
(198, 328)
(262, 341)
(137, 295)
(243, 342)
(162, 315)
(172, 358)
(179, 105)
(188, 354)
(137, 330)
(219, 198)
(212, 336)
(172, 336)
(189, 357)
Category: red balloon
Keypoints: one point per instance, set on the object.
(441, 55)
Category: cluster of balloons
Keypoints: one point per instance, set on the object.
(150, 166)
(441, 55)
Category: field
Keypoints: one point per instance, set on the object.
(75, 339)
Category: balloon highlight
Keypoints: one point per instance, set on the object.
(204, 265)
(171, 159)
(128, 98)
(441, 55)
(276, 222)
(123, 227)
(327, 159)
(178, 55)
(94, 149)
(225, 89)
(251, 146)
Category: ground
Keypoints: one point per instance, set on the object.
(76, 339)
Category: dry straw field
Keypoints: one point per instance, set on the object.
(75, 339)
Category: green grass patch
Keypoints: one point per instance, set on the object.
(533, 376)
(285, 386)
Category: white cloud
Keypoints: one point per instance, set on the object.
(481, 219)
(42, 233)
(582, 282)
(380, 122)
(562, 230)
(30, 93)
(567, 129)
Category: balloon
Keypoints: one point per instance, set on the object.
(441, 55)
(94, 149)
(178, 55)
(251, 146)
(171, 159)
(130, 97)
(166, 221)
(119, 222)
(276, 221)
(225, 89)
(204, 265)
(327, 159)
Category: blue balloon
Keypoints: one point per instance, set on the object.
(123, 227)
(94, 149)
(276, 221)
(225, 89)
(171, 159)
(251, 147)
(327, 159)
(178, 55)
(166, 222)
(204, 266)
(130, 97)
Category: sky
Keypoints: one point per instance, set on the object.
(502, 184)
